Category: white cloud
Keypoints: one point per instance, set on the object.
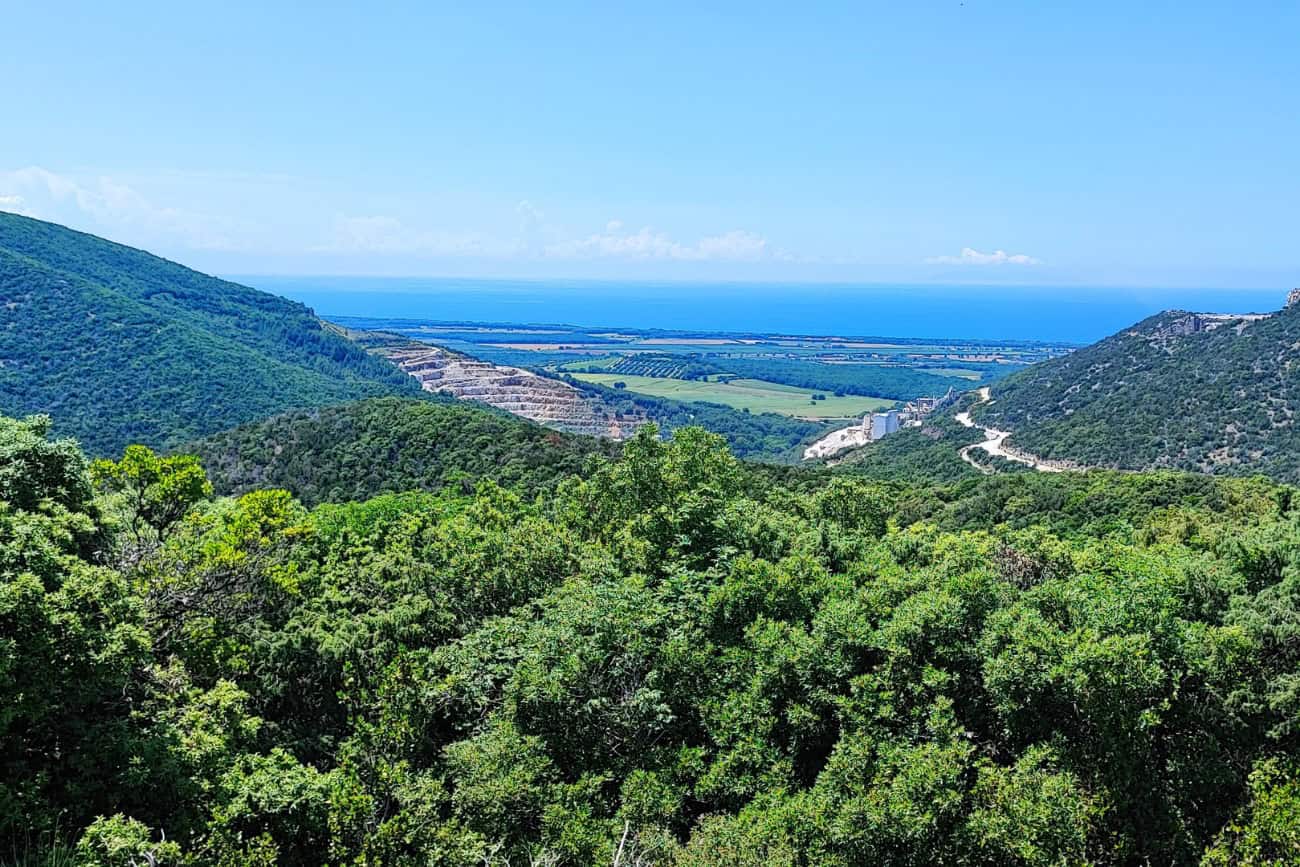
(736, 245)
(616, 242)
(267, 217)
(109, 207)
(383, 234)
(971, 256)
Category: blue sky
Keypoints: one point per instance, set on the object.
(1098, 143)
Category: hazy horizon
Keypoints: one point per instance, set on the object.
(1054, 314)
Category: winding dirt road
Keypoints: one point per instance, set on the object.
(993, 444)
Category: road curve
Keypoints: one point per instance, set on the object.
(993, 443)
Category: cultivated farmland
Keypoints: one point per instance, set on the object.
(755, 395)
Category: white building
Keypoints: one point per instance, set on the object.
(883, 424)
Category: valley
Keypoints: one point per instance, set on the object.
(650, 435)
(483, 575)
(889, 369)
(775, 397)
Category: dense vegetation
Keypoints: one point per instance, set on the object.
(671, 660)
(875, 380)
(119, 346)
(872, 380)
(1221, 400)
(359, 450)
(674, 366)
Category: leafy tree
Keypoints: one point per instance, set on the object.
(669, 657)
(36, 472)
(71, 640)
(117, 839)
(1268, 829)
(156, 492)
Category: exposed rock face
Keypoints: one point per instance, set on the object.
(1174, 326)
(839, 440)
(546, 401)
(1183, 326)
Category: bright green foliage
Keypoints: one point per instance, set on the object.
(117, 840)
(1268, 830)
(72, 637)
(668, 659)
(121, 347)
(155, 492)
(1030, 813)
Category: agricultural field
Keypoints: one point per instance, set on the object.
(845, 368)
(754, 395)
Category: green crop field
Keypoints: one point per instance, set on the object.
(755, 395)
(963, 372)
(606, 361)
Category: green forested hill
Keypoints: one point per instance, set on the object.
(1222, 400)
(358, 450)
(120, 346)
(667, 661)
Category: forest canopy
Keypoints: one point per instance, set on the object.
(668, 658)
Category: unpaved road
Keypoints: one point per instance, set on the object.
(992, 444)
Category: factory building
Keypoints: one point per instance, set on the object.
(883, 424)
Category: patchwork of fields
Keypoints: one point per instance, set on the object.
(755, 395)
(761, 373)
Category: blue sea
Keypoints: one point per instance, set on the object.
(1060, 314)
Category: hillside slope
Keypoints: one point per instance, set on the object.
(120, 346)
(362, 449)
(524, 393)
(1200, 392)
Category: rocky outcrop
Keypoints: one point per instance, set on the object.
(839, 440)
(546, 401)
(1174, 325)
